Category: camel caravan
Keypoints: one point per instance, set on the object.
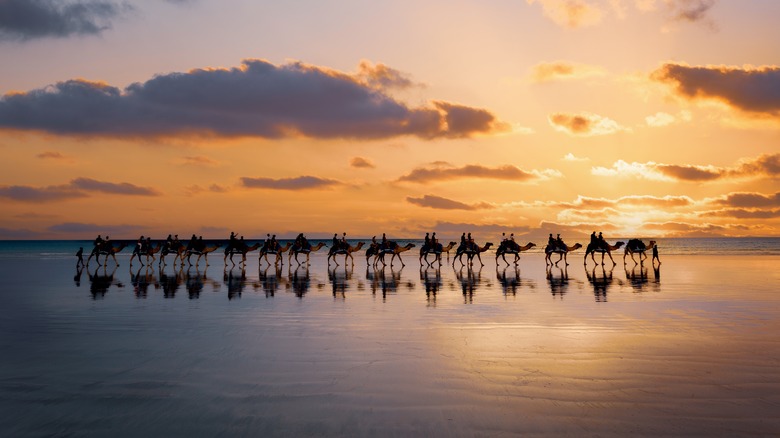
(146, 252)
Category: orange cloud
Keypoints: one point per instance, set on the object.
(584, 124)
(77, 188)
(570, 13)
(765, 165)
(562, 70)
(425, 175)
(361, 163)
(297, 183)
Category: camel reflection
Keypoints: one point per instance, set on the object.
(142, 280)
(511, 282)
(639, 279)
(100, 282)
(601, 279)
(558, 279)
(270, 279)
(300, 281)
(170, 283)
(339, 278)
(381, 280)
(469, 283)
(431, 279)
(235, 280)
(194, 282)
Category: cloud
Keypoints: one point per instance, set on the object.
(31, 19)
(632, 200)
(196, 189)
(562, 70)
(437, 202)
(751, 89)
(584, 124)
(425, 175)
(683, 229)
(257, 99)
(12, 234)
(741, 213)
(748, 200)
(90, 228)
(689, 10)
(198, 160)
(572, 157)
(382, 77)
(40, 194)
(361, 163)
(765, 165)
(77, 188)
(124, 188)
(487, 232)
(297, 183)
(570, 13)
(51, 155)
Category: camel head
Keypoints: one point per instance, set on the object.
(619, 244)
(486, 247)
(531, 245)
(651, 244)
(409, 246)
(358, 246)
(576, 246)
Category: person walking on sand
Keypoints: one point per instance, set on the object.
(80, 255)
(655, 255)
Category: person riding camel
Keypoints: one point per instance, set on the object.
(551, 241)
(559, 243)
(434, 240)
(427, 242)
(192, 243)
(99, 242)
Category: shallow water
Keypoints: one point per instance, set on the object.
(689, 349)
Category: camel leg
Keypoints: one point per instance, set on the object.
(609, 253)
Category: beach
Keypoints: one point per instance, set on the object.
(688, 349)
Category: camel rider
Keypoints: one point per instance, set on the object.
(139, 246)
(106, 245)
(200, 245)
(192, 243)
(98, 242)
(593, 239)
(148, 245)
(427, 242)
(384, 241)
(601, 242)
(559, 243)
(231, 241)
(551, 242)
(273, 245)
(434, 241)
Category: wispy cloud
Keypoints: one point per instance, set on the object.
(750, 89)
(297, 183)
(198, 160)
(31, 19)
(563, 70)
(257, 99)
(570, 13)
(763, 166)
(433, 173)
(437, 202)
(584, 124)
(571, 157)
(77, 188)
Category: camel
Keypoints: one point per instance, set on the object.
(372, 251)
(110, 251)
(549, 251)
(278, 251)
(306, 249)
(637, 246)
(511, 247)
(201, 252)
(346, 251)
(174, 247)
(470, 250)
(148, 253)
(239, 248)
(435, 249)
(607, 249)
(394, 249)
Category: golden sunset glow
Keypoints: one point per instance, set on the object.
(636, 118)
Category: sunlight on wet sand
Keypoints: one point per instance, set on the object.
(691, 349)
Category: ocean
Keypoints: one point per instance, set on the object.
(686, 348)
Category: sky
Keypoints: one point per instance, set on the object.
(638, 118)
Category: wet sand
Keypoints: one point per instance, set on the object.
(691, 349)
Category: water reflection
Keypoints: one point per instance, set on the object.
(431, 279)
(340, 278)
(195, 281)
(385, 280)
(300, 281)
(469, 281)
(270, 279)
(170, 283)
(142, 280)
(639, 279)
(510, 280)
(558, 279)
(100, 282)
(235, 280)
(601, 280)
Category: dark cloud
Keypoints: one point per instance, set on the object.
(424, 175)
(297, 183)
(383, 77)
(361, 163)
(30, 19)
(124, 188)
(755, 90)
(77, 188)
(440, 203)
(40, 194)
(633, 200)
(689, 173)
(748, 200)
(54, 155)
(257, 99)
(13, 234)
(763, 166)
